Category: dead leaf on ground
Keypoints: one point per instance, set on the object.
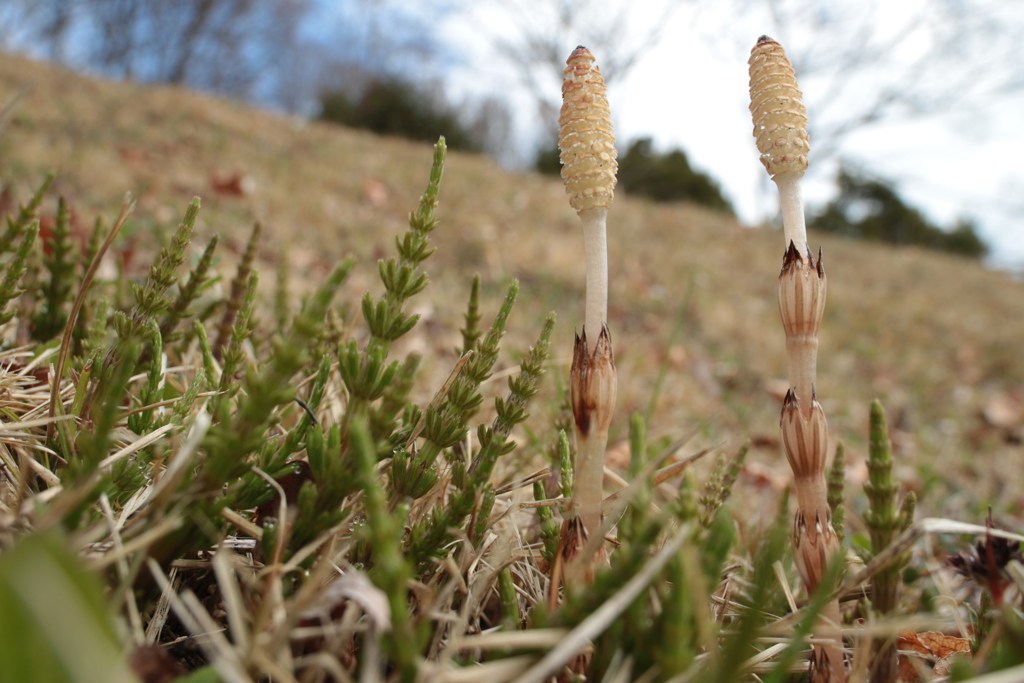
(235, 185)
(375, 192)
(617, 456)
(133, 155)
(776, 388)
(935, 651)
(761, 476)
(153, 664)
(1003, 411)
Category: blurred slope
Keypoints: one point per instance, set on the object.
(937, 338)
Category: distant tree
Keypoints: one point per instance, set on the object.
(644, 172)
(231, 47)
(862, 63)
(528, 42)
(489, 123)
(871, 209)
(963, 239)
(391, 106)
(667, 177)
(549, 160)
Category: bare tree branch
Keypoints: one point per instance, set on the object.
(533, 38)
(867, 62)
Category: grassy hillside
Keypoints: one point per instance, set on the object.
(936, 338)
(447, 564)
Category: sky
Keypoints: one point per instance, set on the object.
(689, 90)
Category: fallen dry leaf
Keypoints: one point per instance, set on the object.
(761, 476)
(235, 185)
(1003, 410)
(937, 651)
(375, 191)
(153, 664)
(617, 457)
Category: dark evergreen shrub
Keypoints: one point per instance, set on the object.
(871, 209)
(644, 172)
(391, 106)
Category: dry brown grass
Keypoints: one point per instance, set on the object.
(936, 338)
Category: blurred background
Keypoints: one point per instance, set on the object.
(915, 107)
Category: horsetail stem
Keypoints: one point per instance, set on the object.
(589, 165)
(780, 127)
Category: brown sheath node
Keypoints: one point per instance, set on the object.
(592, 383)
(815, 545)
(822, 667)
(802, 290)
(804, 436)
(570, 542)
(792, 256)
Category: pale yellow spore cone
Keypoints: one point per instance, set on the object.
(778, 111)
(585, 136)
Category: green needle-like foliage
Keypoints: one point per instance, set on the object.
(60, 263)
(885, 521)
(511, 618)
(334, 479)
(475, 493)
(198, 280)
(233, 353)
(267, 388)
(239, 293)
(512, 410)
(10, 286)
(445, 421)
(471, 332)
(761, 595)
(88, 317)
(282, 300)
(678, 620)
(687, 623)
(563, 422)
(391, 572)
(719, 486)
(688, 507)
(203, 342)
(311, 406)
(386, 317)
(366, 373)
(151, 298)
(565, 460)
(549, 526)
(27, 213)
(384, 415)
(580, 601)
(637, 515)
(182, 409)
(142, 422)
(95, 337)
(882, 517)
(836, 492)
(445, 424)
(93, 444)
